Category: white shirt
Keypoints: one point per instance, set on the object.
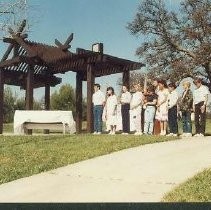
(98, 98)
(126, 98)
(200, 94)
(172, 99)
(136, 99)
(162, 95)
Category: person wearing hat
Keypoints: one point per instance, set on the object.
(200, 99)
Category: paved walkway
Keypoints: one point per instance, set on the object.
(142, 174)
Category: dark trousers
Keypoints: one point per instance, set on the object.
(186, 121)
(200, 119)
(172, 120)
(98, 112)
(125, 109)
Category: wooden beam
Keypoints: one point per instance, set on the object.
(66, 45)
(1, 99)
(29, 90)
(47, 101)
(15, 51)
(9, 49)
(126, 78)
(30, 51)
(90, 87)
(6, 54)
(79, 99)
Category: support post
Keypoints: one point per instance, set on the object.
(29, 90)
(126, 78)
(90, 90)
(1, 99)
(79, 98)
(47, 101)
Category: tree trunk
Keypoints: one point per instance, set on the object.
(208, 71)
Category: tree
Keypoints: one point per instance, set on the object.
(12, 103)
(177, 44)
(8, 108)
(64, 99)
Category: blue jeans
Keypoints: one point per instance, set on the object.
(149, 116)
(98, 112)
(186, 120)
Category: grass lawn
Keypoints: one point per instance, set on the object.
(8, 128)
(196, 189)
(27, 155)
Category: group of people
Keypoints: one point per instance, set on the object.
(154, 110)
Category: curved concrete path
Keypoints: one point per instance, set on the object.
(142, 174)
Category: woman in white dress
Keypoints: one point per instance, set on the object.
(136, 108)
(162, 111)
(111, 110)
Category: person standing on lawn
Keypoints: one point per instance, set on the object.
(156, 122)
(136, 108)
(98, 100)
(200, 99)
(150, 103)
(172, 109)
(162, 112)
(111, 110)
(125, 109)
(185, 107)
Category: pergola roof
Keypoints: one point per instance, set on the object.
(50, 60)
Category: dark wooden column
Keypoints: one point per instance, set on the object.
(29, 90)
(1, 99)
(47, 101)
(79, 98)
(126, 78)
(47, 97)
(90, 90)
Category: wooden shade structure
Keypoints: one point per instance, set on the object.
(32, 65)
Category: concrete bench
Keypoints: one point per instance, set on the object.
(46, 126)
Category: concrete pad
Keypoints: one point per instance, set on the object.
(141, 174)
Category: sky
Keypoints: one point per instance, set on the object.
(91, 21)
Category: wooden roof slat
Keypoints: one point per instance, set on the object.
(49, 60)
(20, 66)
